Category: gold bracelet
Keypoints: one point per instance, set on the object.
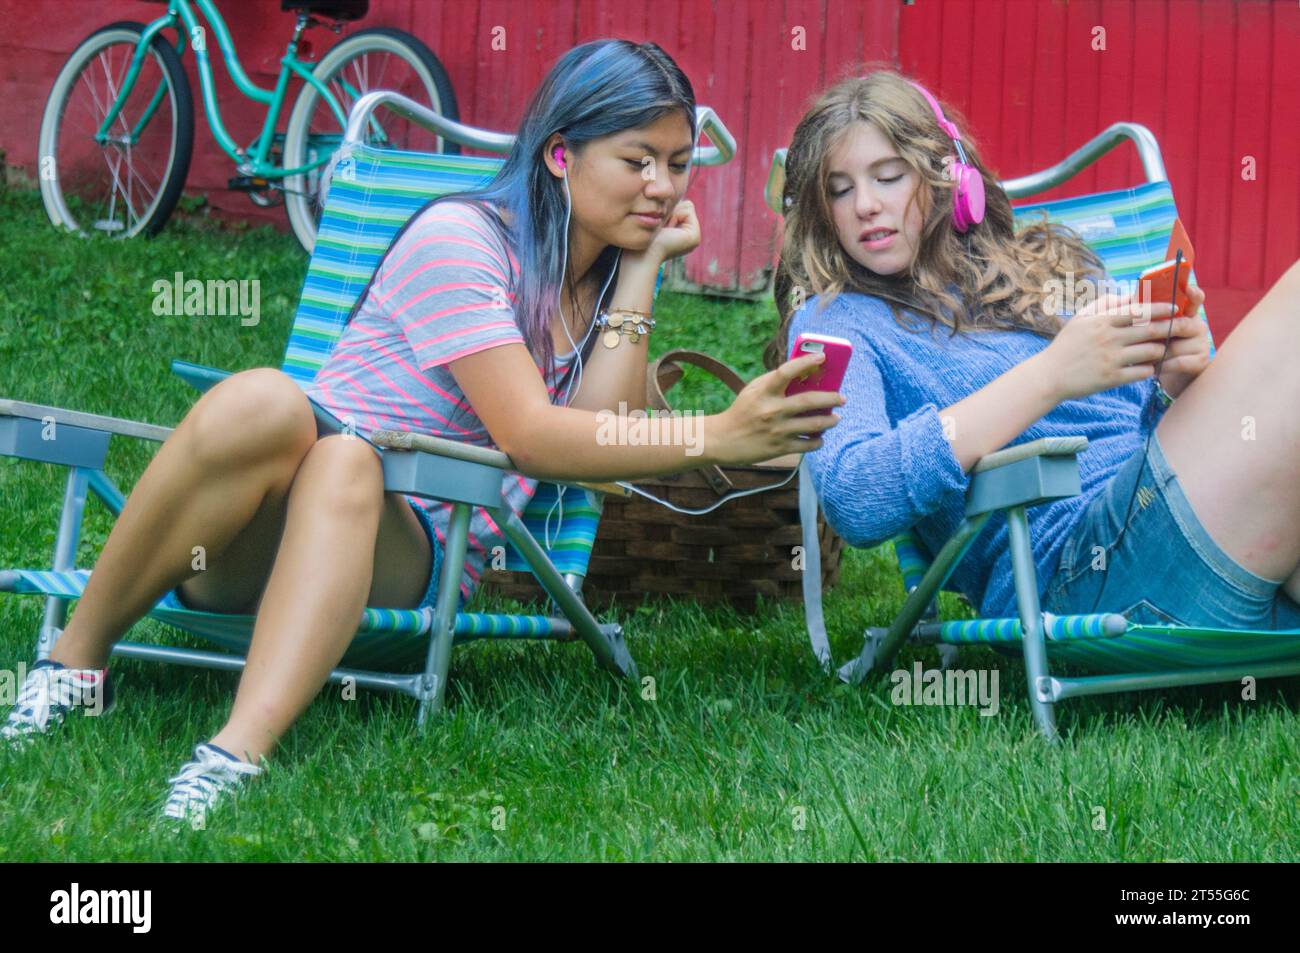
(615, 324)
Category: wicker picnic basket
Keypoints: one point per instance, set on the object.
(744, 548)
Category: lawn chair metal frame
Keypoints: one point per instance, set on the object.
(1014, 479)
(415, 465)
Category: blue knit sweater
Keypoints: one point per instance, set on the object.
(887, 465)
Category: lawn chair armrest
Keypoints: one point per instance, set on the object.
(1026, 475)
(67, 438)
(707, 121)
(77, 418)
(440, 447)
(436, 469)
(1045, 446)
(199, 376)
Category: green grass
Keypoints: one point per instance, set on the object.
(743, 739)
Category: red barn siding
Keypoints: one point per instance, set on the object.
(1214, 80)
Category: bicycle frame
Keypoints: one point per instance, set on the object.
(258, 164)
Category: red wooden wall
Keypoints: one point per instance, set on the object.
(1216, 81)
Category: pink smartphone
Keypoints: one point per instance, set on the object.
(828, 375)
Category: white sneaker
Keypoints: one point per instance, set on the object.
(49, 692)
(200, 784)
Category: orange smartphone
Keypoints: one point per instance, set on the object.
(1157, 284)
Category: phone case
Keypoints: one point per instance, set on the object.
(829, 375)
(1157, 284)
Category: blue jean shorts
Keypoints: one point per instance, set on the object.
(1166, 568)
(435, 572)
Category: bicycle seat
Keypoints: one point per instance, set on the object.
(329, 9)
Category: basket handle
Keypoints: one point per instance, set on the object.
(666, 370)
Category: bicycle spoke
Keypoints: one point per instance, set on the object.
(341, 94)
(112, 195)
(118, 186)
(144, 185)
(94, 95)
(120, 161)
(112, 96)
(126, 66)
(148, 166)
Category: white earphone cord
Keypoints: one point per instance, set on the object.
(559, 501)
(577, 356)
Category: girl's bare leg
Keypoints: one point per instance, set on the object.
(1233, 438)
(218, 482)
(347, 544)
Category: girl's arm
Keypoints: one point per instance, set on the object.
(876, 477)
(997, 413)
(449, 306)
(617, 375)
(564, 443)
(550, 442)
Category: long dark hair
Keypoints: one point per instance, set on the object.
(597, 89)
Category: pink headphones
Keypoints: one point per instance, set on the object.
(968, 196)
(558, 154)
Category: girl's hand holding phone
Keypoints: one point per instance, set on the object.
(1112, 341)
(1189, 347)
(763, 422)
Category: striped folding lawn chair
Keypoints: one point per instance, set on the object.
(1129, 230)
(372, 193)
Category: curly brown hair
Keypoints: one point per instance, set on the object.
(1004, 276)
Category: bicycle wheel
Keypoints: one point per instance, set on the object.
(377, 58)
(129, 184)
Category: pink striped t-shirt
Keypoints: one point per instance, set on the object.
(445, 290)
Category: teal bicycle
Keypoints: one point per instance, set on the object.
(118, 130)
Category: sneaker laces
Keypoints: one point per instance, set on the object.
(201, 781)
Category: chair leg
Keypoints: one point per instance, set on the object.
(574, 582)
(434, 686)
(949, 656)
(65, 557)
(856, 669)
(882, 651)
(606, 641)
(1031, 621)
